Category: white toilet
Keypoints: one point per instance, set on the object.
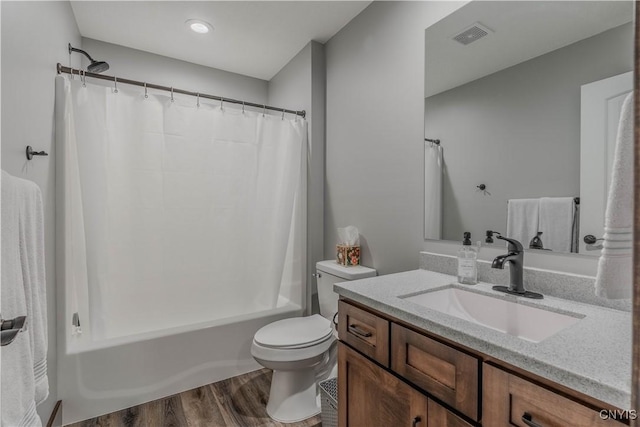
(302, 350)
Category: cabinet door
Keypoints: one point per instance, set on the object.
(370, 396)
(441, 417)
(509, 400)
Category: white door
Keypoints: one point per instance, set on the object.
(601, 102)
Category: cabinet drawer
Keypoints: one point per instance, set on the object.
(364, 331)
(444, 372)
(509, 400)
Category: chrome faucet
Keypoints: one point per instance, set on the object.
(515, 258)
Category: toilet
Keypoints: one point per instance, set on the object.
(302, 350)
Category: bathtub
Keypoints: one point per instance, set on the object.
(137, 361)
(164, 347)
(99, 377)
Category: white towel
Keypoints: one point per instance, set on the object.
(614, 276)
(24, 379)
(522, 220)
(557, 215)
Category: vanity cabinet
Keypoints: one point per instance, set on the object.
(390, 374)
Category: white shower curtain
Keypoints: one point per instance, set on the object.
(432, 191)
(185, 210)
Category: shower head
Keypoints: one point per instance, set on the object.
(98, 67)
(95, 66)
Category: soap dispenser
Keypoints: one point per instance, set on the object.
(467, 262)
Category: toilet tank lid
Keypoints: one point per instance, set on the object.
(352, 272)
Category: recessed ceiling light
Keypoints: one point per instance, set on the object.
(199, 26)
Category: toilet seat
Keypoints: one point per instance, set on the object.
(294, 333)
(298, 340)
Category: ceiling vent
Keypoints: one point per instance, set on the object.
(471, 34)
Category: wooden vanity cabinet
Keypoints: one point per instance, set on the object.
(390, 375)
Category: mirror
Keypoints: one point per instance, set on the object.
(522, 98)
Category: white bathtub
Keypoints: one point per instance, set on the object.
(153, 354)
(155, 350)
(106, 376)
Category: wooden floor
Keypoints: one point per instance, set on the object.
(238, 401)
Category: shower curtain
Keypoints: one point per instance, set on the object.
(183, 209)
(432, 191)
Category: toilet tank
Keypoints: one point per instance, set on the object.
(330, 272)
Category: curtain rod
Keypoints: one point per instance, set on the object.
(68, 70)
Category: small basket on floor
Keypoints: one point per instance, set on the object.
(329, 402)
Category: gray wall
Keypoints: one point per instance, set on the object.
(300, 85)
(144, 66)
(375, 122)
(34, 38)
(518, 131)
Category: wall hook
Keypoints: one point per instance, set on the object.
(30, 153)
(483, 188)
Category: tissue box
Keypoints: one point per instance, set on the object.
(348, 255)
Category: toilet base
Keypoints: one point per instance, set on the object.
(293, 396)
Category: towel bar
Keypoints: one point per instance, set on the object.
(10, 328)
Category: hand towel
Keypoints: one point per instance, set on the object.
(557, 215)
(522, 220)
(614, 277)
(24, 368)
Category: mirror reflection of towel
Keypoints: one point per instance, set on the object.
(522, 220)
(556, 223)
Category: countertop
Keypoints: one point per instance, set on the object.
(592, 356)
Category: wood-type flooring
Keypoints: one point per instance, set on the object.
(236, 402)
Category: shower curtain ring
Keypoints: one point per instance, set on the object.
(198, 100)
(264, 108)
(84, 78)
(221, 101)
(242, 107)
(115, 84)
(171, 93)
(146, 95)
(283, 114)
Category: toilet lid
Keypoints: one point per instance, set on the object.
(295, 332)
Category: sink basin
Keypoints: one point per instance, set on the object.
(522, 321)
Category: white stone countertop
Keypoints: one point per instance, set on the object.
(592, 356)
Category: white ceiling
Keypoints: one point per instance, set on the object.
(522, 30)
(254, 38)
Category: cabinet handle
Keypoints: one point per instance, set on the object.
(415, 421)
(355, 330)
(528, 420)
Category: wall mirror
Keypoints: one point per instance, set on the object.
(522, 101)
